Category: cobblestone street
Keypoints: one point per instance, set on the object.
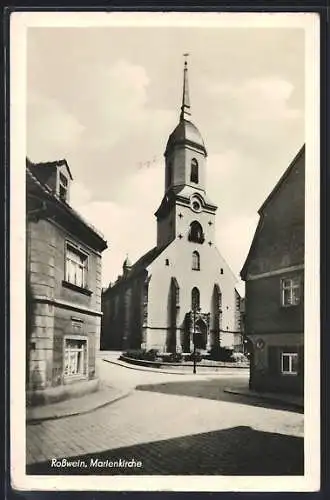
(172, 434)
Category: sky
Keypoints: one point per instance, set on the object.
(106, 100)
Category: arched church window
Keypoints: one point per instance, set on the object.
(217, 297)
(196, 264)
(194, 171)
(196, 232)
(195, 299)
(175, 292)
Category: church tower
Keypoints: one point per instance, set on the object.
(185, 180)
(179, 295)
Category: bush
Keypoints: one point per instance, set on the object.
(190, 357)
(142, 354)
(172, 357)
(151, 355)
(219, 353)
(239, 357)
(134, 353)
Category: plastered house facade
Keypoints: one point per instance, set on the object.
(63, 288)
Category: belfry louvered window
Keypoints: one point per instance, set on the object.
(194, 171)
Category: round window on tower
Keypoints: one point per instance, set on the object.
(196, 204)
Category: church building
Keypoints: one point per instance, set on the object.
(183, 285)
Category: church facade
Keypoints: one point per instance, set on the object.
(182, 291)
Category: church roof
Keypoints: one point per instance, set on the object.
(146, 259)
(139, 266)
(186, 133)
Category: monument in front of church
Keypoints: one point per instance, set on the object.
(182, 285)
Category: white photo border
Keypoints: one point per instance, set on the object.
(19, 24)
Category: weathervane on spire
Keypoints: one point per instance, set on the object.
(185, 107)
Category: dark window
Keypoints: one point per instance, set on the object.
(63, 187)
(221, 271)
(290, 291)
(194, 171)
(195, 299)
(169, 174)
(175, 292)
(167, 262)
(63, 180)
(196, 261)
(196, 233)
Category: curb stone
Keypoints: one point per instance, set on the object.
(169, 372)
(268, 398)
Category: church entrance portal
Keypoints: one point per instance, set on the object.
(200, 335)
(197, 332)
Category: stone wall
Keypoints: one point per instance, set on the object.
(56, 311)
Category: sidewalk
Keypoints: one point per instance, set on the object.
(75, 406)
(294, 401)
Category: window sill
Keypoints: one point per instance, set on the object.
(76, 288)
(290, 374)
(71, 379)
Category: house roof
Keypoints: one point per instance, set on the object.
(50, 164)
(261, 210)
(64, 206)
(282, 179)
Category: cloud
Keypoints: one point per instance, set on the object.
(234, 238)
(103, 101)
(259, 99)
(51, 130)
(98, 118)
(129, 225)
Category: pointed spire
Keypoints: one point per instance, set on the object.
(185, 107)
(127, 263)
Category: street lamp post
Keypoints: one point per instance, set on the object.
(194, 337)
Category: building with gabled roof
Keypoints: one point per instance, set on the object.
(274, 276)
(183, 284)
(63, 288)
